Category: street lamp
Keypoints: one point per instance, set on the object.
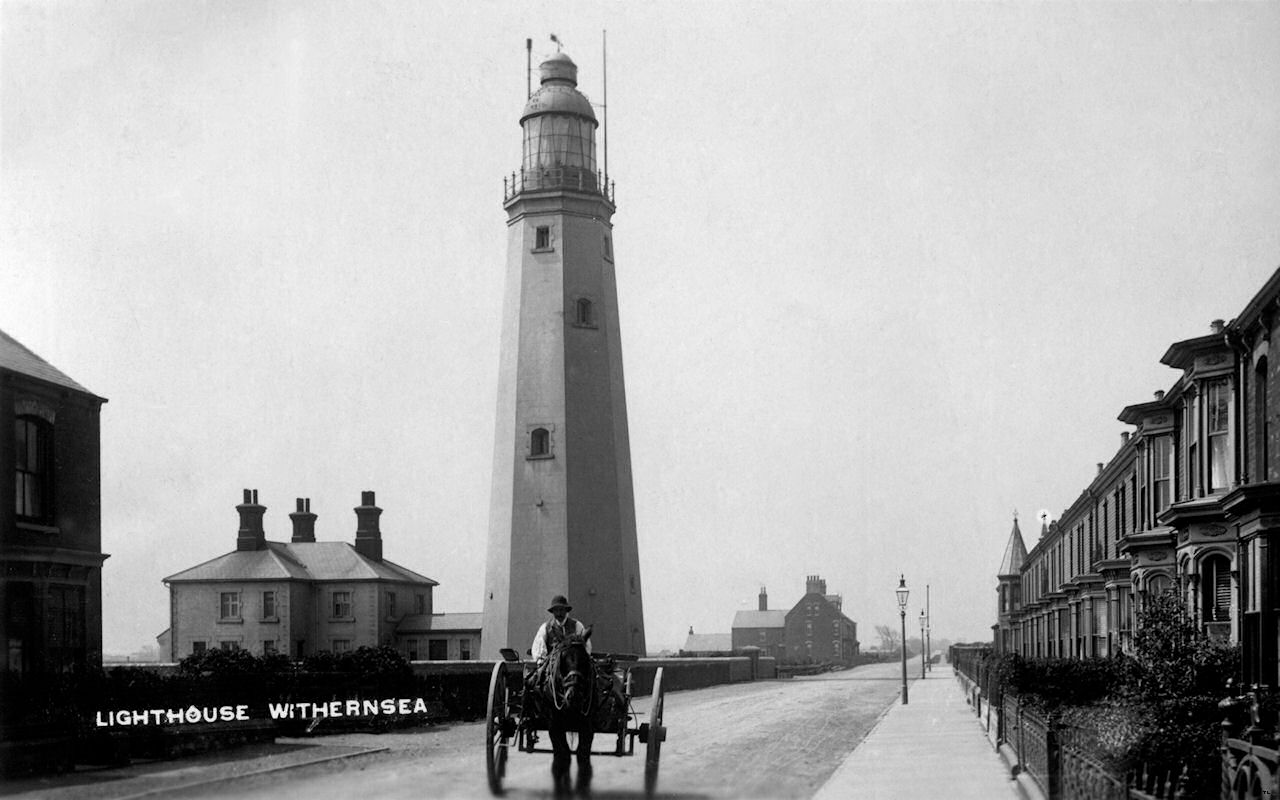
(928, 628)
(922, 652)
(902, 611)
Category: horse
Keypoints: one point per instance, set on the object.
(570, 699)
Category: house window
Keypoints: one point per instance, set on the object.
(1261, 419)
(391, 604)
(412, 646)
(33, 473)
(199, 647)
(268, 605)
(539, 443)
(419, 604)
(1215, 588)
(438, 649)
(1218, 402)
(542, 238)
(341, 645)
(341, 605)
(229, 605)
(269, 647)
(1160, 452)
(464, 649)
(229, 646)
(1192, 471)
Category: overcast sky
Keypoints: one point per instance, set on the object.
(886, 272)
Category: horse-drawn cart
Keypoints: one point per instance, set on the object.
(518, 718)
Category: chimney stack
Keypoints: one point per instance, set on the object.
(764, 599)
(1099, 467)
(251, 535)
(815, 585)
(1124, 437)
(368, 535)
(1217, 325)
(304, 522)
(1159, 395)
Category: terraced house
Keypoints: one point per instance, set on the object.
(1188, 503)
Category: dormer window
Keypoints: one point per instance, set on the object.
(542, 238)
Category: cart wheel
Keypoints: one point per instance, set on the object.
(656, 734)
(497, 737)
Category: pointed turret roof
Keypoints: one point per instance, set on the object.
(1015, 552)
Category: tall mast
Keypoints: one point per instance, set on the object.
(604, 46)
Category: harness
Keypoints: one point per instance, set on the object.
(556, 686)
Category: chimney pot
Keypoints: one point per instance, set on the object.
(251, 536)
(1099, 467)
(1159, 394)
(368, 534)
(304, 522)
(1217, 325)
(1124, 437)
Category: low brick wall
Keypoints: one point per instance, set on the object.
(459, 678)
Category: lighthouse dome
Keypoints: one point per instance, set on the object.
(558, 93)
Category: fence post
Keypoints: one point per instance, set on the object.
(1053, 755)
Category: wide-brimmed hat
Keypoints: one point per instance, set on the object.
(559, 601)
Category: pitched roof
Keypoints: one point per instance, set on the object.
(1015, 552)
(760, 619)
(426, 623)
(16, 357)
(314, 561)
(708, 643)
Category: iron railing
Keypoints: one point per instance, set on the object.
(547, 179)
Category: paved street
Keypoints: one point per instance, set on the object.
(775, 739)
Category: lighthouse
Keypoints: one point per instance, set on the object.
(562, 508)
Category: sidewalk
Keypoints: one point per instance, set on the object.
(932, 747)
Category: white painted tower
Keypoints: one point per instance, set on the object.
(562, 513)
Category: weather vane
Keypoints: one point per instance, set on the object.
(556, 39)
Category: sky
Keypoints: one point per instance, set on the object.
(887, 272)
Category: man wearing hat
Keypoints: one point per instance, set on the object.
(560, 627)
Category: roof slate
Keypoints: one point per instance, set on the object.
(708, 643)
(1015, 552)
(315, 561)
(16, 357)
(760, 619)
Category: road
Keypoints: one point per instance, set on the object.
(771, 739)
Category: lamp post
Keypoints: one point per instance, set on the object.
(902, 612)
(922, 651)
(928, 628)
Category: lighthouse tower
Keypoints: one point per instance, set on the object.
(562, 510)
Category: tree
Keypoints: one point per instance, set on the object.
(889, 638)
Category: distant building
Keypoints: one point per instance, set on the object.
(763, 628)
(51, 527)
(295, 598)
(706, 645)
(441, 637)
(817, 629)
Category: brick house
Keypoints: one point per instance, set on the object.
(51, 527)
(816, 628)
(764, 628)
(298, 597)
